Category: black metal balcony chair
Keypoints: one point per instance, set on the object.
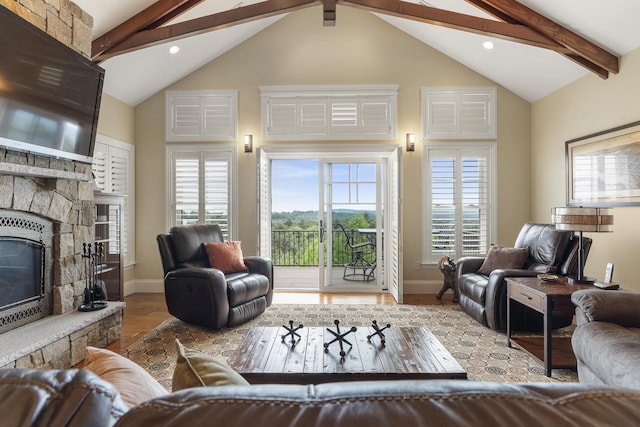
(358, 268)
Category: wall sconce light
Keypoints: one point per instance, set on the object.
(411, 142)
(248, 143)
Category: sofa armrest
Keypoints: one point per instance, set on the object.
(260, 265)
(469, 264)
(264, 266)
(198, 295)
(620, 307)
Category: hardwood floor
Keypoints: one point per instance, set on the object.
(144, 312)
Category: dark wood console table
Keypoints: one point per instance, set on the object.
(550, 299)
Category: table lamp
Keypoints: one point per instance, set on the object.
(581, 219)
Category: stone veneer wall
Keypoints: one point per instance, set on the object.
(61, 190)
(61, 19)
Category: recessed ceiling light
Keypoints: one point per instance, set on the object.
(174, 49)
(487, 45)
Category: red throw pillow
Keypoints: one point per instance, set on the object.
(226, 256)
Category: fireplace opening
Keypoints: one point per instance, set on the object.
(25, 268)
(21, 271)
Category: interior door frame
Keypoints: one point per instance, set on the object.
(340, 152)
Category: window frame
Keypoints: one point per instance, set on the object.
(490, 150)
(112, 143)
(224, 152)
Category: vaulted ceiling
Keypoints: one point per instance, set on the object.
(539, 45)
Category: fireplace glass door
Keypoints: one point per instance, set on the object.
(21, 265)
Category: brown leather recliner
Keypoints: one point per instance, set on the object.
(196, 293)
(485, 297)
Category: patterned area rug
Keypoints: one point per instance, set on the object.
(482, 352)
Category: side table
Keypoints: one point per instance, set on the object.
(548, 298)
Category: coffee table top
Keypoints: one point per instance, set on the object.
(409, 353)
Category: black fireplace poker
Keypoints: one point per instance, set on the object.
(95, 294)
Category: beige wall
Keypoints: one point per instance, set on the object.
(361, 49)
(116, 119)
(589, 105)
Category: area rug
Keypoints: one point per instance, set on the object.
(482, 352)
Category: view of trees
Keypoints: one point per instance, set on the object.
(308, 220)
(294, 237)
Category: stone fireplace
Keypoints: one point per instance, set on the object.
(47, 208)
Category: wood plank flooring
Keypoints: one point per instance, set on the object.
(145, 311)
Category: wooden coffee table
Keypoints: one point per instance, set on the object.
(409, 353)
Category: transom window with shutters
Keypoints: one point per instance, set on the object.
(459, 113)
(458, 199)
(201, 115)
(320, 113)
(201, 187)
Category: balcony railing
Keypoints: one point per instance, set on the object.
(300, 248)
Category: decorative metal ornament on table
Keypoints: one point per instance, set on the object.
(95, 291)
(448, 269)
(378, 331)
(339, 337)
(291, 331)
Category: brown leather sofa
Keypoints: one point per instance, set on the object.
(196, 293)
(485, 297)
(76, 398)
(606, 341)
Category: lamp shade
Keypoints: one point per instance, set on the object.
(582, 219)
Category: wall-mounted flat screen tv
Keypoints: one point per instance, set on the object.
(49, 94)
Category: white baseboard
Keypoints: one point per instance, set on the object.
(413, 287)
(152, 286)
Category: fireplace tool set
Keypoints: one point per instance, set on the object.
(95, 291)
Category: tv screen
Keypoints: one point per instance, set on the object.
(49, 94)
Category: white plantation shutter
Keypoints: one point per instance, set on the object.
(186, 117)
(313, 116)
(113, 172)
(216, 193)
(201, 115)
(201, 191)
(99, 167)
(344, 116)
(376, 116)
(459, 113)
(119, 184)
(393, 228)
(264, 203)
(458, 200)
(317, 113)
(187, 188)
(283, 116)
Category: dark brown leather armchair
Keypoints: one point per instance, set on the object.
(198, 294)
(485, 297)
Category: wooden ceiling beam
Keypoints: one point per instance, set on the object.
(431, 15)
(193, 27)
(154, 15)
(579, 46)
(329, 13)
